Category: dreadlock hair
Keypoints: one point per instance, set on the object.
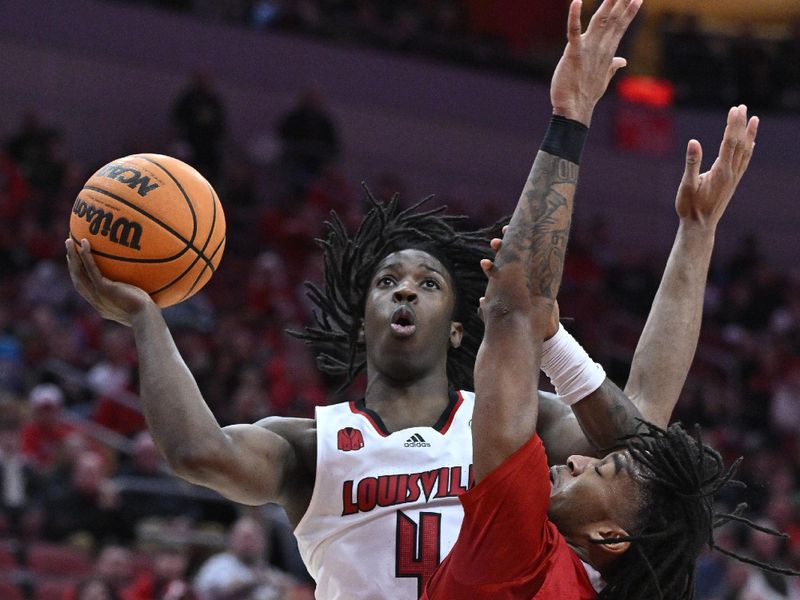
(350, 263)
(680, 476)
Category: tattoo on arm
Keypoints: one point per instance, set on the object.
(539, 229)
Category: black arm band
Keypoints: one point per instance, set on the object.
(565, 138)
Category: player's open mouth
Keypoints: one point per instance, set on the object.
(403, 322)
(553, 473)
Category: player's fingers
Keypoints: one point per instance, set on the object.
(505, 228)
(77, 272)
(73, 262)
(617, 10)
(496, 244)
(752, 129)
(731, 137)
(487, 266)
(749, 145)
(600, 16)
(617, 63)
(574, 21)
(617, 18)
(741, 135)
(631, 10)
(694, 158)
(85, 254)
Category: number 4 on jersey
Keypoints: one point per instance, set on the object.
(418, 554)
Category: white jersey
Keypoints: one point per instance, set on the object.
(385, 508)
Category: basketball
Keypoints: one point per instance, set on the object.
(154, 222)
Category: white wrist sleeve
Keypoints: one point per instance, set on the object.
(570, 369)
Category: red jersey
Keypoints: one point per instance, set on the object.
(507, 548)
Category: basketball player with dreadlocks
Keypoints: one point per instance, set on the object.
(639, 516)
(380, 479)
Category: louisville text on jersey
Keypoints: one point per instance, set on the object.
(392, 490)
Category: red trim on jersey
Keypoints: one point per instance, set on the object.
(381, 431)
(452, 414)
(359, 407)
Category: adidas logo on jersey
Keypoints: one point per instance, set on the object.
(416, 441)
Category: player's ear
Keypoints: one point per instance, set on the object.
(456, 333)
(604, 554)
(361, 332)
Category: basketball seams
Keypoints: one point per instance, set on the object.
(183, 192)
(199, 277)
(135, 260)
(200, 254)
(156, 220)
(209, 264)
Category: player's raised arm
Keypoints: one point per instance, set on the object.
(525, 277)
(591, 413)
(600, 412)
(246, 463)
(669, 339)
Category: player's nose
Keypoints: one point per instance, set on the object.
(404, 293)
(577, 464)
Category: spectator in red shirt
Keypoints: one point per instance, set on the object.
(44, 434)
(112, 380)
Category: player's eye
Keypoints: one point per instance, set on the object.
(431, 284)
(385, 281)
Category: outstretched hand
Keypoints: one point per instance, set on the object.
(115, 301)
(588, 62)
(703, 197)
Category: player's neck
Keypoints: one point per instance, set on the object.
(410, 403)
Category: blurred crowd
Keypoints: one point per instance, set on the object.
(80, 477)
(757, 66)
(469, 32)
(717, 68)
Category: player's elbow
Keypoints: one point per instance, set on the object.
(188, 465)
(197, 463)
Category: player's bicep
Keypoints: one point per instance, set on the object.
(253, 466)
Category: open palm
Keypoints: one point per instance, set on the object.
(703, 197)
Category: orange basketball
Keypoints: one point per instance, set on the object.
(154, 222)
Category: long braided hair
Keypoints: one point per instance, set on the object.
(350, 262)
(680, 477)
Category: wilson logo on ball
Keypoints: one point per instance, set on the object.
(120, 231)
(130, 177)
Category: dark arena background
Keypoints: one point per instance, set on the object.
(286, 107)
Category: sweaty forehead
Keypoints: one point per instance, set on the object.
(413, 258)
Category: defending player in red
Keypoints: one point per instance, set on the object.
(637, 518)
